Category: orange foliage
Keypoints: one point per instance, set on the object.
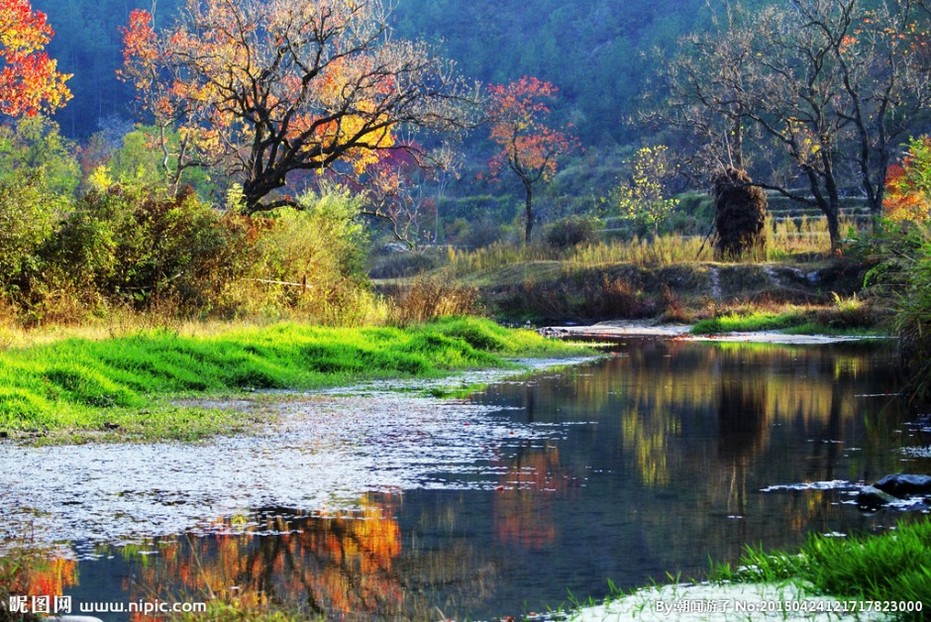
(906, 198)
(528, 146)
(29, 79)
(53, 578)
(44, 577)
(264, 89)
(342, 562)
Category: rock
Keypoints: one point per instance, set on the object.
(870, 498)
(905, 485)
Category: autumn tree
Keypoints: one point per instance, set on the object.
(832, 85)
(263, 89)
(645, 196)
(528, 147)
(29, 80)
(909, 195)
(404, 190)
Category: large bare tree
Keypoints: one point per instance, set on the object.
(267, 87)
(830, 87)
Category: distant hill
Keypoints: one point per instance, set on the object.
(599, 52)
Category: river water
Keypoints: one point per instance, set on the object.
(652, 460)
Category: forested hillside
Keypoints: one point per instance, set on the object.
(600, 53)
(87, 45)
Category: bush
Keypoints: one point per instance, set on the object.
(309, 262)
(570, 232)
(129, 246)
(27, 220)
(139, 249)
(913, 319)
(426, 300)
(901, 254)
(34, 146)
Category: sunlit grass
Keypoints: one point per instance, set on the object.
(785, 239)
(846, 316)
(752, 322)
(115, 383)
(891, 567)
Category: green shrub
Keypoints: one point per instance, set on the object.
(34, 146)
(310, 261)
(913, 318)
(570, 232)
(901, 254)
(139, 248)
(27, 220)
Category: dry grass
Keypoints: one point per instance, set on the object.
(428, 299)
(785, 239)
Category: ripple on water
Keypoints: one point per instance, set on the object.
(323, 453)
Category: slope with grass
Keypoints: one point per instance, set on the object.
(602, 283)
(126, 383)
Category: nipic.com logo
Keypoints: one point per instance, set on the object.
(64, 606)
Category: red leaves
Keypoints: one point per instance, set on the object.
(908, 185)
(29, 80)
(529, 147)
(139, 37)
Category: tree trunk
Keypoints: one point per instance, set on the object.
(528, 211)
(832, 215)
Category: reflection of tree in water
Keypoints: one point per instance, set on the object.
(37, 573)
(742, 425)
(523, 508)
(344, 565)
(343, 562)
(742, 418)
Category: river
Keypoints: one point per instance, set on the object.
(652, 460)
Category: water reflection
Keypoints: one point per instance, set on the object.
(667, 448)
(37, 572)
(340, 563)
(524, 509)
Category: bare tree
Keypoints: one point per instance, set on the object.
(403, 189)
(832, 85)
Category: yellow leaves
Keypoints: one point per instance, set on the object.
(643, 196)
(100, 178)
(313, 80)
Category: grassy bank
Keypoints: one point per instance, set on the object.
(888, 573)
(843, 316)
(124, 384)
(596, 283)
(892, 567)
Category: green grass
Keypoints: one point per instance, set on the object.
(893, 566)
(790, 323)
(121, 385)
(753, 322)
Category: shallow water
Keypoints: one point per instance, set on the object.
(391, 505)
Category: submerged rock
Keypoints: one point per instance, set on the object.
(871, 498)
(903, 491)
(905, 485)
